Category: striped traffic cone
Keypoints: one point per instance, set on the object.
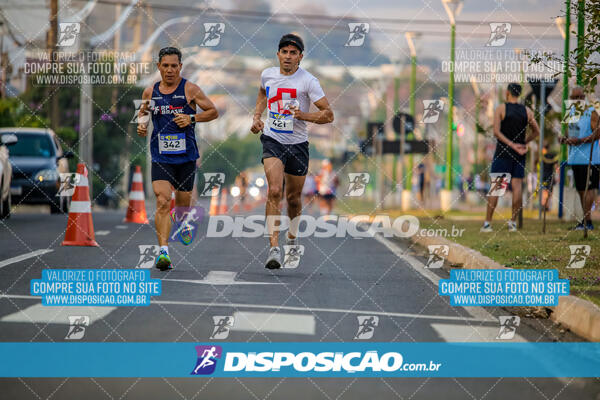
(214, 202)
(136, 211)
(172, 199)
(223, 202)
(80, 227)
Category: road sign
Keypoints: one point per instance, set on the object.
(393, 147)
(409, 123)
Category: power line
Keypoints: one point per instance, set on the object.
(269, 15)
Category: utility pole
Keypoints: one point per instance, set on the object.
(51, 39)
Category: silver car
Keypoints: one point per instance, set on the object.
(5, 175)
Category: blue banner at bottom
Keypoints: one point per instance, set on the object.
(300, 359)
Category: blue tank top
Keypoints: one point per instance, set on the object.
(169, 143)
(580, 128)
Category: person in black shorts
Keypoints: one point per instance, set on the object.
(510, 124)
(172, 103)
(286, 92)
(584, 133)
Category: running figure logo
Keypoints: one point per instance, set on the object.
(68, 181)
(358, 184)
(432, 110)
(579, 253)
(185, 223)
(366, 326)
(499, 34)
(358, 33)
(143, 119)
(222, 325)
(148, 254)
(291, 259)
(508, 327)
(68, 32)
(575, 109)
(212, 33)
(77, 324)
(207, 359)
(498, 183)
(437, 255)
(212, 180)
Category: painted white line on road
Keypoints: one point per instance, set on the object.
(24, 257)
(313, 310)
(465, 333)
(249, 321)
(476, 312)
(102, 233)
(291, 308)
(121, 226)
(221, 278)
(55, 315)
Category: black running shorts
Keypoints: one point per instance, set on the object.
(181, 176)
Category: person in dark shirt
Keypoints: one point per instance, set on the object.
(510, 123)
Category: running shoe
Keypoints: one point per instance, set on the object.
(274, 259)
(512, 226)
(579, 227)
(163, 261)
(590, 226)
(486, 228)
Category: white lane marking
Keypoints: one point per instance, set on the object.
(25, 256)
(38, 313)
(288, 308)
(121, 226)
(476, 312)
(248, 321)
(465, 333)
(102, 233)
(221, 278)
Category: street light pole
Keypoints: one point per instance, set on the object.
(565, 32)
(410, 38)
(453, 8)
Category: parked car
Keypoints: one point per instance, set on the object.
(37, 161)
(5, 175)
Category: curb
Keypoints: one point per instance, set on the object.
(582, 317)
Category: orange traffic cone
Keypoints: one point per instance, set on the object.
(172, 200)
(223, 203)
(136, 211)
(214, 202)
(80, 227)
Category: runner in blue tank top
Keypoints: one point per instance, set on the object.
(172, 104)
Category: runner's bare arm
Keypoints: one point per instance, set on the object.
(595, 130)
(197, 98)
(261, 104)
(323, 116)
(535, 129)
(142, 129)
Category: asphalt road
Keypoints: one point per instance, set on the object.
(338, 280)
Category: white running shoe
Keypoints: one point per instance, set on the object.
(274, 259)
(487, 227)
(512, 226)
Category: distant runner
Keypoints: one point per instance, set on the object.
(287, 92)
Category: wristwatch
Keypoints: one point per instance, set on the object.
(193, 118)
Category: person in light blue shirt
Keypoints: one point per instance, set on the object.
(583, 134)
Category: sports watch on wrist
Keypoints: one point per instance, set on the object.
(193, 118)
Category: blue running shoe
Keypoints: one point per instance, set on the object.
(590, 226)
(163, 261)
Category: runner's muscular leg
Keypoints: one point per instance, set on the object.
(274, 174)
(183, 199)
(517, 199)
(293, 196)
(162, 220)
